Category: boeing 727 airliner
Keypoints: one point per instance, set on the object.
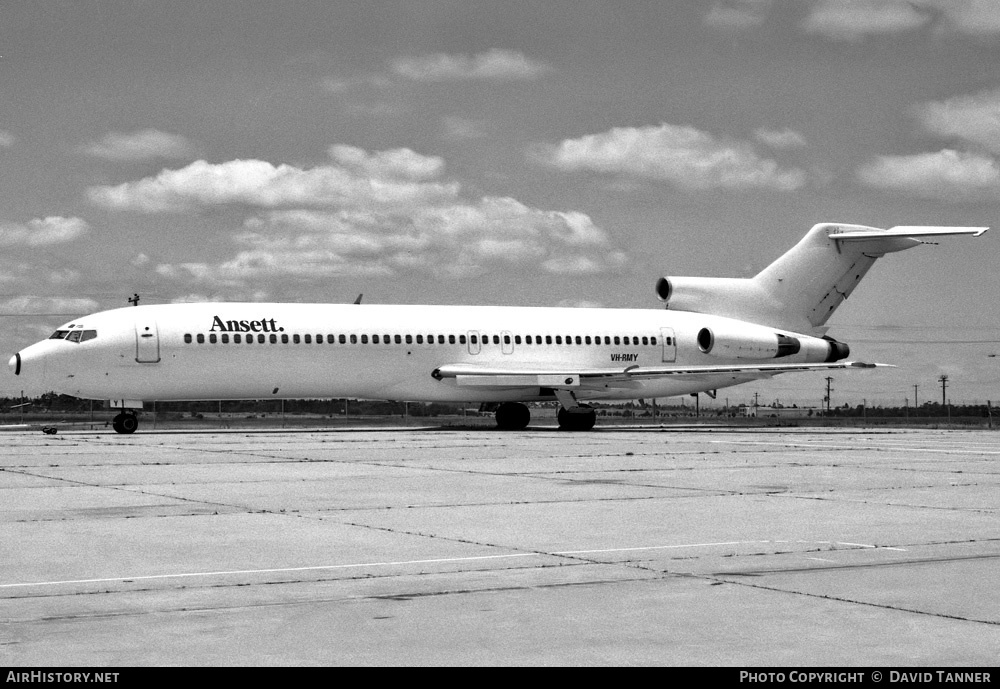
(714, 332)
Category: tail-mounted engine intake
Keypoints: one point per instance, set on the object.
(746, 341)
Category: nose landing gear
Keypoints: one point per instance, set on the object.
(126, 422)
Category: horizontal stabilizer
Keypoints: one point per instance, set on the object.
(906, 231)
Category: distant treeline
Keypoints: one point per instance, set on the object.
(340, 407)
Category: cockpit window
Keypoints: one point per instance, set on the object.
(59, 334)
(79, 335)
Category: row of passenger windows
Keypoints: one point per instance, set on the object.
(237, 338)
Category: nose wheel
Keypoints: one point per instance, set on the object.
(126, 422)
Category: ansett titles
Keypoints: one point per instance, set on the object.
(265, 325)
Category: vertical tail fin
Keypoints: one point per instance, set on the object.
(801, 289)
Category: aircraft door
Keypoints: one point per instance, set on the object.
(506, 342)
(474, 345)
(669, 345)
(147, 342)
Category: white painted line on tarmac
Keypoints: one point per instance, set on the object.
(398, 563)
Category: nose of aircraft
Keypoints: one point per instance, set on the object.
(15, 364)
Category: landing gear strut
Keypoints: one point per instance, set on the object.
(512, 416)
(579, 418)
(125, 422)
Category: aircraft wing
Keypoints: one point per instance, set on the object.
(552, 377)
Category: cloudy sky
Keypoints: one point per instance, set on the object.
(566, 152)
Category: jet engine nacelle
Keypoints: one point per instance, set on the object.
(730, 297)
(735, 340)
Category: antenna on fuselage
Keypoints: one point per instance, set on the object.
(134, 300)
(358, 300)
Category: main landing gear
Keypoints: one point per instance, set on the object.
(125, 422)
(579, 418)
(514, 416)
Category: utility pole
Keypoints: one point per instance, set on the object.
(944, 385)
(829, 380)
(915, 405)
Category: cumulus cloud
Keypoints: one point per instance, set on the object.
(680, 155)
(256, 183)
(456, 240)
(948, 175)
(857, 19)
(146, 144)
(737, 14)
(973, 119)
(27, 305)
(42, 232)
(366, 213)
(400, 163)
(780, 139)
(494, 65)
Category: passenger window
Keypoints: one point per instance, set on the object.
(548, 339)
(461, 339)
(578, 340)
(297, 340)
(187, 338)
(652, 340)
(587, 339)
(399, 339)
(475, 339)
(238, 339)
(517, 339)
(212, 339)
(201, 338)
(225, 339)
(506, 339)
(260, 339)
(274, 339)
(558, 339)
(364, 339)
(375, 339)
(284, 339)
(451, 339)
(420, 339)
(354, 339)
(617, 340)
(342, 339)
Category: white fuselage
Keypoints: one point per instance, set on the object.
(216, 351)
